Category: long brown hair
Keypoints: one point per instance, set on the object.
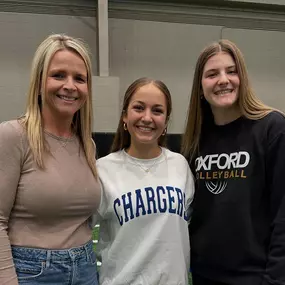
(122, 137)
(32, 119)
(250, 106)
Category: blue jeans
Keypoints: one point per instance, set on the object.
(74, 266)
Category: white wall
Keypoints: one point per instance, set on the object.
(20, 34)
(264, 55)
(165, 51)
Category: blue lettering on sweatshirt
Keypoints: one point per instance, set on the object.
(148, 201)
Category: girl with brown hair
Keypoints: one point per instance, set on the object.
(147, 194)
(236, 147)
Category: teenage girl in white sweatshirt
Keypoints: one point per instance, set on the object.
(147, 194)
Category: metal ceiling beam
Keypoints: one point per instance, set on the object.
(63, 7)
(197, 14)
(245, 17)
(271, 2)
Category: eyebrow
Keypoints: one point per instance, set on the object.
(55, 70)
(215, 69)
(156, 105)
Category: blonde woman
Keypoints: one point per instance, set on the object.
(236, 147)
(49, 187)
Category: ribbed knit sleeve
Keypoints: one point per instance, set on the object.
(275, 171)
(10, 169)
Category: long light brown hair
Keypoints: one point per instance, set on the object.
(122, 137)
(250, 106)
(32, 119)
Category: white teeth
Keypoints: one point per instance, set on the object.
(221, 92)
(67, 98)
(145, 129)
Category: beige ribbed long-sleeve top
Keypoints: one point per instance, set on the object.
(42, 208)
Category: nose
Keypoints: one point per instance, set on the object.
(147, 118)
(223, 79)
(69, 84)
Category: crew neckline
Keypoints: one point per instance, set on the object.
(59, 138)
(145, 161)
(229, 125)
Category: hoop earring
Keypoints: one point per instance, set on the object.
(125, 127)
(164, 132)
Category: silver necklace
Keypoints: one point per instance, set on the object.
(147, 170)
(62, 141)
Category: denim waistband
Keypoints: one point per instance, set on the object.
(40, 254)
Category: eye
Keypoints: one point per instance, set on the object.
(138, 107)
(211, 75)
(158, 111)
(80, 79)
(58, 75)
(232, 72)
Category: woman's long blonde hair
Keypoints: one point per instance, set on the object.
(122, 137)
(250, 106)
(82, 120)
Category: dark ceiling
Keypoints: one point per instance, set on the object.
(211, 3)
(88, 7)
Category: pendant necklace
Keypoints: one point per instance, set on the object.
(63, 141)
(145, 169)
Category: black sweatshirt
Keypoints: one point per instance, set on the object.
(237, 229)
